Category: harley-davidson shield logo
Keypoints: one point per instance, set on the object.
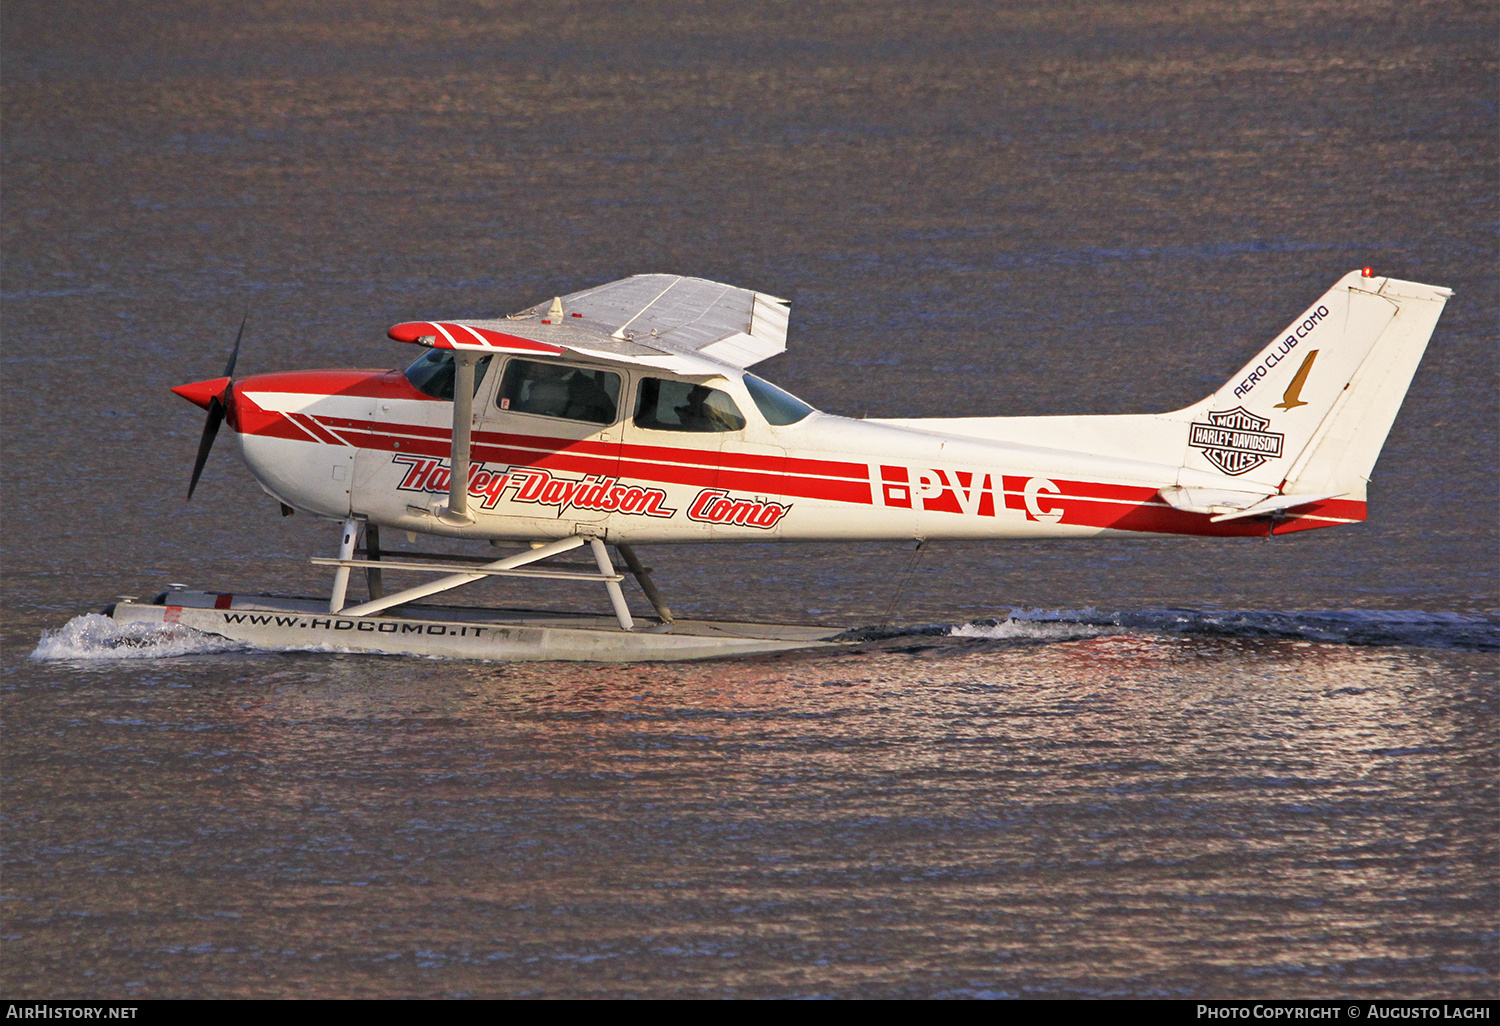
(1235, 441)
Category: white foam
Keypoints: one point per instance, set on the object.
(93, 636)
(1032, 629)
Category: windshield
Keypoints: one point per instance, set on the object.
(432, 373)
(778, 407)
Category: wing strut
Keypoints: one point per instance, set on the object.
(457, 510)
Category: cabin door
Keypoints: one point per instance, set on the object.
(690, 437)
(549, 442)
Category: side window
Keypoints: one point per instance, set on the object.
(433, 373)
(664, 405)
(557, 390)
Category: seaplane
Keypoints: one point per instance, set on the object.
(626, 414)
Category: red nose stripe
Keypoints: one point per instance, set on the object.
(201, 393)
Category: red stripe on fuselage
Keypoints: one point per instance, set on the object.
(1084, 503)
(796, 477)
(248, 418)
(315, 429)
(1138, 508)
(372, 384)
(1163, 519)
(388, 428)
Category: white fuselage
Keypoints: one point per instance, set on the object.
(370, 446)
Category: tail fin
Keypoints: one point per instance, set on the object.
(1308, 415)
(1301, 423)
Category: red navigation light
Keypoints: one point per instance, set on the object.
(410, 331)
(1368, 272)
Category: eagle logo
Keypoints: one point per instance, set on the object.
(1292, 397)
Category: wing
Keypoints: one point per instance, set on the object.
(687, 325)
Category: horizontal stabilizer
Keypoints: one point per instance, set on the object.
(1231, 504)
(1212, 500)
(1275, 504)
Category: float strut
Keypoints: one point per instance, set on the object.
(374, 576)
(341, 575)
(643, 578)
(616, 596)
(460, 579)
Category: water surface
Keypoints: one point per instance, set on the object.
(1153, 767)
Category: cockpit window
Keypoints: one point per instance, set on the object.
(432, 373)
(663, 405)
(778, 407)
(557, 390)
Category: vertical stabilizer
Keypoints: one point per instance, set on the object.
(1310, 412)
(1342, 455)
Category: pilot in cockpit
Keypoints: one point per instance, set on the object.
(696, 415)
(547, 392)
(587, 401)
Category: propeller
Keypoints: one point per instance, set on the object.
(216, 409)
